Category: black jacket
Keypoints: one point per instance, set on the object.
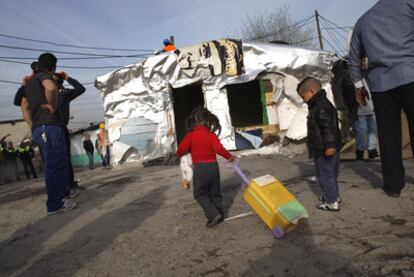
(88, 146)
(66, 95)
(348, 94)
(323, 130)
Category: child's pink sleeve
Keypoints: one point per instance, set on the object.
(184, 146)
(219, 148)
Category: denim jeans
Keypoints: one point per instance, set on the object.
(90, 158)
(106, 161)
(366, 132)
(327, 171)
(56, 164)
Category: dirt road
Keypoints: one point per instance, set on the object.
(134, 221)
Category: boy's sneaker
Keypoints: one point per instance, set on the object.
(67, 206)
(322, 199)
(333, 207)
(216, 220)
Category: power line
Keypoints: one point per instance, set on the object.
(334, 29)
(67, 66)
(297, 25)
(19, 83)
(83, 58)
(77, 46)
(335, 41)
(10, 82)
(329, 43)
(48, 50)
(336, 25)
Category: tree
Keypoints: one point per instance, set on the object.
(278, 26)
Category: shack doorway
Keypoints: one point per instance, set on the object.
(185, 99)
(245, 103)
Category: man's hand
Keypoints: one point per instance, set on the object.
(361, 96)
(48, 108)
(65, 75)
(26, 79)
(231, 159)
(330, 152)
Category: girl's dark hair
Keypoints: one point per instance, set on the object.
(202, 116)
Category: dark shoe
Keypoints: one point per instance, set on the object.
(392, 193)
(216, 220)
(373, 155)
(359, 155)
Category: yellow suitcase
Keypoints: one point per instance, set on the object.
(272, 202)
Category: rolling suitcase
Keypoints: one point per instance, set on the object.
(272, 202)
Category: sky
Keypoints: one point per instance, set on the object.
(128, 24)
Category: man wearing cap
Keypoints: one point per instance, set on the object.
(168, 47)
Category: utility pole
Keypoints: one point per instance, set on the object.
(318, 27)
(172, 40)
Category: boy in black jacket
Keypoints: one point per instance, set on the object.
(324, 140)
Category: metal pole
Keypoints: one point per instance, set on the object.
(318, 27)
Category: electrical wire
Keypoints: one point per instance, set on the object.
(334, 29)
(335, 41)
(298, 24)
(67, 66)
(83, 58)
(48, 50)
(336, 25)
(77, 46)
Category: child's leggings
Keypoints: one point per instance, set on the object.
(207, 188)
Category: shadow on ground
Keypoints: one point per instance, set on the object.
(298, 255)
(14, 253)
(95, 237)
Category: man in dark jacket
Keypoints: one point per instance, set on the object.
(88, 146)
(65, 96)
(324, 140)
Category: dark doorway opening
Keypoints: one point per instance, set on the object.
(245, 103)
(185, 99)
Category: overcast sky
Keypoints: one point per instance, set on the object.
(128, 24)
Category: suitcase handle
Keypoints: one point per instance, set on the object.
(236, 167)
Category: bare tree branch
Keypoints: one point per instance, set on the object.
(278, 26)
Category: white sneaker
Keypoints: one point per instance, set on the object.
(333, 207)
(74, 192)
(67, 206)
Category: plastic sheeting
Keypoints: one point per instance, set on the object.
(142, 90)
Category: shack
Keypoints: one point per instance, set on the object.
(249, 86)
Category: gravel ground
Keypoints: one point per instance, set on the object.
(134, 221)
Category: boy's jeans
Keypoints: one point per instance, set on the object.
(366, 132)
(327, 171)
(56, 164)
